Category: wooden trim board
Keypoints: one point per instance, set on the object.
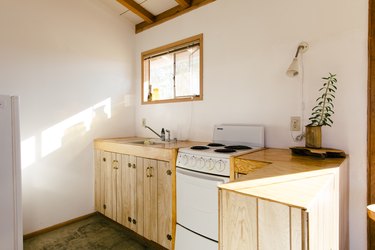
(371, 122)
(57, 226)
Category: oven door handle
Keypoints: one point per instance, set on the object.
(202, 176)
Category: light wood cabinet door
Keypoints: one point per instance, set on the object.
(112, 186)
(136, 192)
(150, 168)
(108, 198)
(132, 193)
(158, 202)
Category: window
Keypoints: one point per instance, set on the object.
(173, 72)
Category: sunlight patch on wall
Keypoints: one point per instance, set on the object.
(28, 152)
(53, 136)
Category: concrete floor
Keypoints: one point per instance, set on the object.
(96, 232)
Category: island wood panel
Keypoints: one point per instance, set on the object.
(273, 225)
(296, 232)
(251, 223)
(323, 231)
(164, 199)
(238, 221)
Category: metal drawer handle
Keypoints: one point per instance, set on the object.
(115, 164)
(151, 170)
(148, 172)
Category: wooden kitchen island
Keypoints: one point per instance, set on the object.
(284, 201)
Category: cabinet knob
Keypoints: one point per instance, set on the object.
(134, 166)
(148, 172)
(169, 237)
(104, 159)
(104, 206)
(169, 172)
(134, 221)
(129, 219)
(129, 165)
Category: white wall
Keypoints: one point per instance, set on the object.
(248, 46)
(71, 63)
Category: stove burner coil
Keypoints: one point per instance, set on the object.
(215, 145)
(225, 150)
(237, 147)
(199, 147)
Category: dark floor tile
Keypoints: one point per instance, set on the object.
(96, 233)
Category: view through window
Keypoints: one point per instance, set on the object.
(173, 72)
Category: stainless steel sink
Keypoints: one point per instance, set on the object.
(148, 142)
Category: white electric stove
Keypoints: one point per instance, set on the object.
(200, 169)
(228, 141)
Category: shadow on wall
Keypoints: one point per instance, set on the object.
(63, 132)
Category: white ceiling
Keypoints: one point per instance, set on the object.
(154, 6)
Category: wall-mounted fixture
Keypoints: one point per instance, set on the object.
(293, 69)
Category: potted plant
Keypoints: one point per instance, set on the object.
(321, 113)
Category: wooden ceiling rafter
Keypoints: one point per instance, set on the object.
(137, 9)
(171, 13)
(183, 3)
(151, 20)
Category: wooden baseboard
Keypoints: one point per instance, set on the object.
(54, 227)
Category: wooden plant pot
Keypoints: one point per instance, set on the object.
(313, 136)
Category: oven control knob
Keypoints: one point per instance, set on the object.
(201, 163)
(193, 161)
(184, 160)
(211, 164)
(220, 166)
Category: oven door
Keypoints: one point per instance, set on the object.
(197, 202)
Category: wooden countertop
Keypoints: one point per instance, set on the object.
(164, 151)
(283, 177)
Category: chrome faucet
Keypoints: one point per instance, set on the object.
(160, 136)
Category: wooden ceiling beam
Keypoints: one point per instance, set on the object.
(183, 3)
(170, 14)
(137, 9)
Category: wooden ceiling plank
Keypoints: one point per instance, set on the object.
(183, 3)
(137, 9)
(170, 14)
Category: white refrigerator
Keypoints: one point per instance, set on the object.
(11, 236)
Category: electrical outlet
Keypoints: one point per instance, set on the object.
(295, 123)
(144, 122)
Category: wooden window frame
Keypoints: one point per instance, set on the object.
(164, 49)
